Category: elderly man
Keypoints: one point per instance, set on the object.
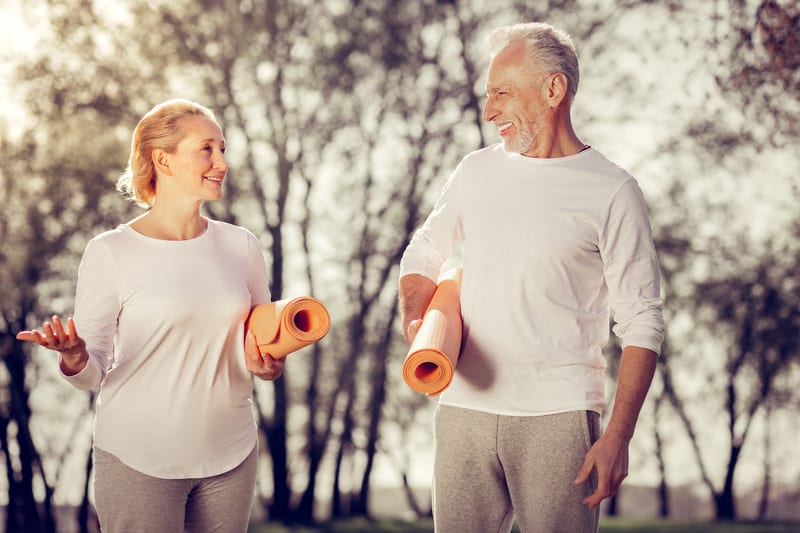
(554, 237)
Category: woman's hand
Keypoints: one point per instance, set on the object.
(66, 342)
(262, 366)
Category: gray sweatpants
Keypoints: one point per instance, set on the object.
(128, 501)
(490, 468)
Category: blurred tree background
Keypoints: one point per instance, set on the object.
(343, 119)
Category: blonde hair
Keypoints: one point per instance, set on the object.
(160, 128)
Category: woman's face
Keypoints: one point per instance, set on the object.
(198, 165)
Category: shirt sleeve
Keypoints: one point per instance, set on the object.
(97, 306)
(435, 241)
(631, 270)
(257, 282)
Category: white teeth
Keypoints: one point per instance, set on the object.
(216, 180)
(504, 126)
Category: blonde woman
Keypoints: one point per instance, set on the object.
(159, 329)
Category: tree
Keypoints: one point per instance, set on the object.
(342, 119)
(726, 271)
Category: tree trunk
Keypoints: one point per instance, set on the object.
(84, 511)
(22, 501)
(613, 505)
(339, 501)
(378, 377)
(663, 487)
(763, 504)
(316, 444)
(725, 500)
(275, 435)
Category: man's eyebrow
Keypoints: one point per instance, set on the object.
(499, 87)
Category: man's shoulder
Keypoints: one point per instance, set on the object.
(603, 168)
(492, 151)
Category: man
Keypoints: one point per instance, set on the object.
(553, 237)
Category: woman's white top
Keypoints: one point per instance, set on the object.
(163, 323)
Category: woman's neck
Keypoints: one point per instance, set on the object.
(171, 223)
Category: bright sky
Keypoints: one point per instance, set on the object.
(17, 38)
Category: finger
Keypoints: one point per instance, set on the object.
(594, 500)
(73, 331)
(413, 329)
(601, 492)
(617, 483)
(270, 373)
(251, 350)
(58, 329)
(277, 365)
(584, 472)
(49, 334)
(30, 336)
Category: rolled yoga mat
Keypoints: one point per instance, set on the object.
(285, 326)
(431, 361)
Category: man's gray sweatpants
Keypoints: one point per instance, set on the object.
(490, 469)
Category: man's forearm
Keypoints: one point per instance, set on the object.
(636, 370)
(416, 292)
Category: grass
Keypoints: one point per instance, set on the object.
(607, 525)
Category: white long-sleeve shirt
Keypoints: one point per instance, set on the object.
(163, 323)
(550, 247)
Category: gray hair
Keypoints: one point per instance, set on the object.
(550, 50)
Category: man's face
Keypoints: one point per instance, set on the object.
(515, 103)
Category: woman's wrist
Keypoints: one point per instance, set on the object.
(73, 361)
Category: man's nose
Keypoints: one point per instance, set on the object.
(488, 110)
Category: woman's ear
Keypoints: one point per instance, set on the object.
(161, 161)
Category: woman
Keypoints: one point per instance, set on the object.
(160, 306)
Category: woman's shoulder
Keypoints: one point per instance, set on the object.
(110, 236)
(228, 228)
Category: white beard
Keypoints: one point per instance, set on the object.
(521, 143)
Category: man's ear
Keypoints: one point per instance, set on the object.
(161, 161)
(557, 89)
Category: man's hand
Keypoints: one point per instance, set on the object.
(412, 330)
(264, 366)
(609, 457)
(415, 292)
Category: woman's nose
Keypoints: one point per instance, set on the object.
(220, 163)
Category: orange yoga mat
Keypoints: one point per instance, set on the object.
(431, 360)
(285, 326)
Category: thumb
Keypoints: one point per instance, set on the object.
(413, 329)
(250, 345)
(584, 472)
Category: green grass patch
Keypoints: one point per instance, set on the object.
(622, 525)
(607, 525)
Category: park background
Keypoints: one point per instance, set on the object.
(343, 120)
